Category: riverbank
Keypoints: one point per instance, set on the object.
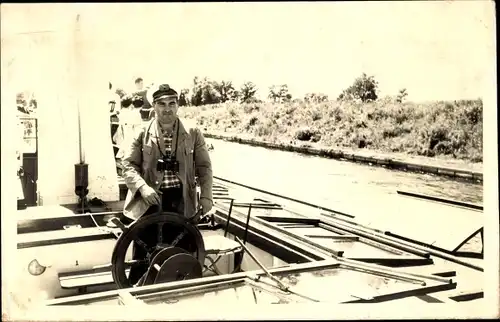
(442, 167)
(442, 139)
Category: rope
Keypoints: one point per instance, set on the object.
(100, 228)
(212, 266)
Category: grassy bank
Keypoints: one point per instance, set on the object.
(444, 129)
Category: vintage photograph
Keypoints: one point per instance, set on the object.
(216, 158)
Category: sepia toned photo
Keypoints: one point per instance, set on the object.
(203, 161)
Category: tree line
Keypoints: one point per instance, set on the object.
(207, 91)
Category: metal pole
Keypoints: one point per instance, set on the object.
(228, 217)
(248, 222)
(77, 50)
(442, 200)
(281, 285)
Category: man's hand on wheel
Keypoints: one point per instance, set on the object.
(150, 195)
(206, 205)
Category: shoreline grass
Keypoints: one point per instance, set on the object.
(449, 130)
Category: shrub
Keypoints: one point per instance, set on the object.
(306, 134)
(364, 89)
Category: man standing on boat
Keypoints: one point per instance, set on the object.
(160, 166)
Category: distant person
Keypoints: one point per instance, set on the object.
(114, 103)
(32, 105)
(160, 165)
(139, 95)
(126, 100)
(129, 119)
(21, 103)
(139, 84)
(140, 100)
(117, 131)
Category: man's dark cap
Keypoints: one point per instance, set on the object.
(162, 91)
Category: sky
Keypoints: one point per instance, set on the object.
(437, 50)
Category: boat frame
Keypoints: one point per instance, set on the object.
(129, 296)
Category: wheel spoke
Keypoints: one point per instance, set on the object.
(160, 233)
(179, 237)
(142, 244)
(137, 262)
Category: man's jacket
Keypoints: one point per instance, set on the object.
(139, 167)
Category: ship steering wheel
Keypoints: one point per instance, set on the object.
(178, 254)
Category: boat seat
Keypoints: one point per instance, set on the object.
(214, 245)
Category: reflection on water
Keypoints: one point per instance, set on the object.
(324, 181)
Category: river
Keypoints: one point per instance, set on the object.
(326, 181)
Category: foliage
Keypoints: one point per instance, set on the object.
(183, 99)
(357, 119)
(315, 98)
(452, 129)
(204, 92)
(401, 95)
(279, 94)
(225, 90)
(247, 92)
(364, 89)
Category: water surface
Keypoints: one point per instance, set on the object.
(324, 181)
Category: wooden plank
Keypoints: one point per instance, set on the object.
(380, 244)
(442, 200)
(72, 282)
(310, 230)
(291, 226)
(44, 212)
(62, 234)
(338, 237)
(446, 274)
(468, 295)
(433, 298)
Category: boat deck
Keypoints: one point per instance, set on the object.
(370, 262)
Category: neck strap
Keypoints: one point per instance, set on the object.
(176, 139)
